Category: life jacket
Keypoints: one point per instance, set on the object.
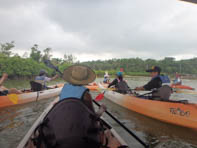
(3, 92)
(69, 124)
(72, 91)
(122, 87)
(164, 79)
(164, 92)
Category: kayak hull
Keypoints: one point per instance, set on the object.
(95, 87)
(170, 112)
(14, 99)
(113, 139)
(182, 87)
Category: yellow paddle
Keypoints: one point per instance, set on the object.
(13, 98)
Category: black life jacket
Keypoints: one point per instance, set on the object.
(69, 124)
(4, 93)
(122, 87)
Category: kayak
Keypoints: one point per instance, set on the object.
(182, 87)
(95, 86)
(114, 140)
(173, 112)
(28, 96)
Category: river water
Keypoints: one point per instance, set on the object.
(15, 121)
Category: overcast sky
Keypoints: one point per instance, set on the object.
(101, 29)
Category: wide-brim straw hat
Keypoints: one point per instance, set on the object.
(79, 75)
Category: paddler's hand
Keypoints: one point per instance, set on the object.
(101, 110)
(139, 88)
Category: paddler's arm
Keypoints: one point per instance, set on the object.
(87, 99)
(3, 78)
(113, 83)
(154, 83)
(139, 88)
(55, 77)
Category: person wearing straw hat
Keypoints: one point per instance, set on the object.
(72, 122)
(77, 76)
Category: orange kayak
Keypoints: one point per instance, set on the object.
(182, 87)
(14, 99)
(170, 112)
(95, 87)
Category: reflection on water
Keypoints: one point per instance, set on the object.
(15, 122)
(150, 130)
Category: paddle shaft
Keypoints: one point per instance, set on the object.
(49, 64)
(129, 131)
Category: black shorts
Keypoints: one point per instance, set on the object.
(4, 93)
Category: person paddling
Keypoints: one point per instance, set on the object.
(3, 90)
(120, 84)
(73, 122)
(156, 83)
(177, 80)
(43, 79)
(77, 76)
(106, 78)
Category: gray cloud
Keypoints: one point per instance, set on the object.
(102, 29)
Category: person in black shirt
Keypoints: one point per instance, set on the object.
(155, 82)
(120, 84)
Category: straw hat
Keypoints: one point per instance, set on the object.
(79, 75)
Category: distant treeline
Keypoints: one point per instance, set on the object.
(137, 66)
(29, 65)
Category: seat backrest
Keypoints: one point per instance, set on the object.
(35, 86)
(122, 87)
(163, 93)
(70, 124)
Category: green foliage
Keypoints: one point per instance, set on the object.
(6, 48)
(35, 53)
(17, 66)
(47, 54)
(69, 58)
(137, 66)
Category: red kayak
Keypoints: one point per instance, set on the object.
(182, 87)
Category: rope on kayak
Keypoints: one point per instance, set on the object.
(37, 96)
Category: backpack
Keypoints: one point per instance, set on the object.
(122, 87)
(69, 124)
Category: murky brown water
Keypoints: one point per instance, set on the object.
(15, 122)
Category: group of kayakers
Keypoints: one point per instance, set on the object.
(73, 121)
(155, 83)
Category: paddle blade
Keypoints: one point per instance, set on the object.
(13, 98)
(49, 64)
(99, 97)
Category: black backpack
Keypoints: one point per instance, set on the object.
(122, 87)
(69, 124)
